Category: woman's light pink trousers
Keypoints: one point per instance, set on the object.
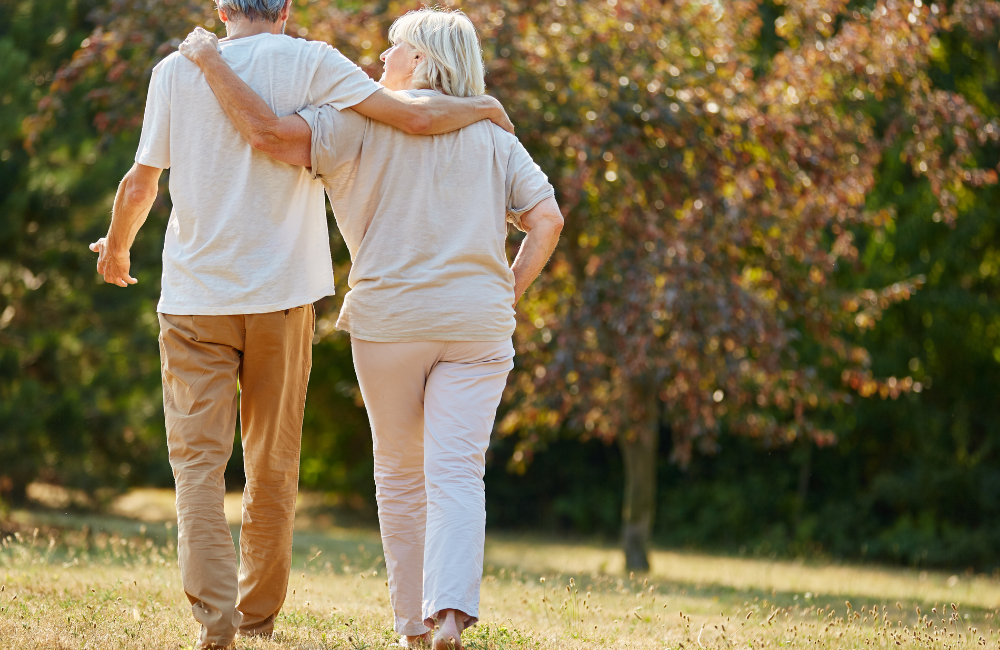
(432, 406)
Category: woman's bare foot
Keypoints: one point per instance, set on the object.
(448, 635)
(421, 641)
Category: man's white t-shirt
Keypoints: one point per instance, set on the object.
(247, 234)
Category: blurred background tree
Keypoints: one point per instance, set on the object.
(710, 307)
(79, 380)
(707, 299)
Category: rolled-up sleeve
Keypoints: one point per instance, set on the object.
(337, 137)
(309, 114)
(527, 185)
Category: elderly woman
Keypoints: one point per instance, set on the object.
(431, 306)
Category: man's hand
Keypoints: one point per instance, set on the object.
(200, 45)
(500, 116)
(114, 266)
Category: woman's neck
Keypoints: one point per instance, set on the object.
(402, 85)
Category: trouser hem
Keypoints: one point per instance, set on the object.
(217, 644)
(471, 612)
(256, 634)
(412, 629)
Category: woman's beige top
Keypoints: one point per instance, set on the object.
(425, 219)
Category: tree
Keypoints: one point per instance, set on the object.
(711, 195)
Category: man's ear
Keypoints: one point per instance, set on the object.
(222, 14)
(285, 11)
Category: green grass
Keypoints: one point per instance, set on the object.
(112, 582)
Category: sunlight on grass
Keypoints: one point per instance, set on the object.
(104, 582)
(762, 575)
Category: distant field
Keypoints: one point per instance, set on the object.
(112, 582)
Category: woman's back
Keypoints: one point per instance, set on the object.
(424, 218)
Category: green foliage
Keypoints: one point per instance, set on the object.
(78, 370)
(336, 443)
(925, 467)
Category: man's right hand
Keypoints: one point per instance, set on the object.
(113, 266)
(499, 116)
(200, 45)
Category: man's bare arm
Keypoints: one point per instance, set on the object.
(432, 115)
(289, 138)
(135, 196)
(543, 223)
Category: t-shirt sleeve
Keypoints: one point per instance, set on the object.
(527, 184)
(154, 143)
(337, 137)
(339, 82)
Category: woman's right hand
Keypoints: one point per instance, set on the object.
(200, 45)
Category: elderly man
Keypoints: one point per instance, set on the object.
(246, 254)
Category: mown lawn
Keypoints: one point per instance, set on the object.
(112, 582)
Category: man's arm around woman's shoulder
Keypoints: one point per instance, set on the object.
(289, 138)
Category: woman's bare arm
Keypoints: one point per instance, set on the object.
(542, 223)
(289, 138)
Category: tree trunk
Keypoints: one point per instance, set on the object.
(805, 471)
(639, 449)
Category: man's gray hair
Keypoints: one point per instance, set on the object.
(266, 10)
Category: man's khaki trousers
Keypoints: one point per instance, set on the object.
(212, 365)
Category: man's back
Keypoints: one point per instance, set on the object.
(247, 234)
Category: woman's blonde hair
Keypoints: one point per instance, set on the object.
(452, 60)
